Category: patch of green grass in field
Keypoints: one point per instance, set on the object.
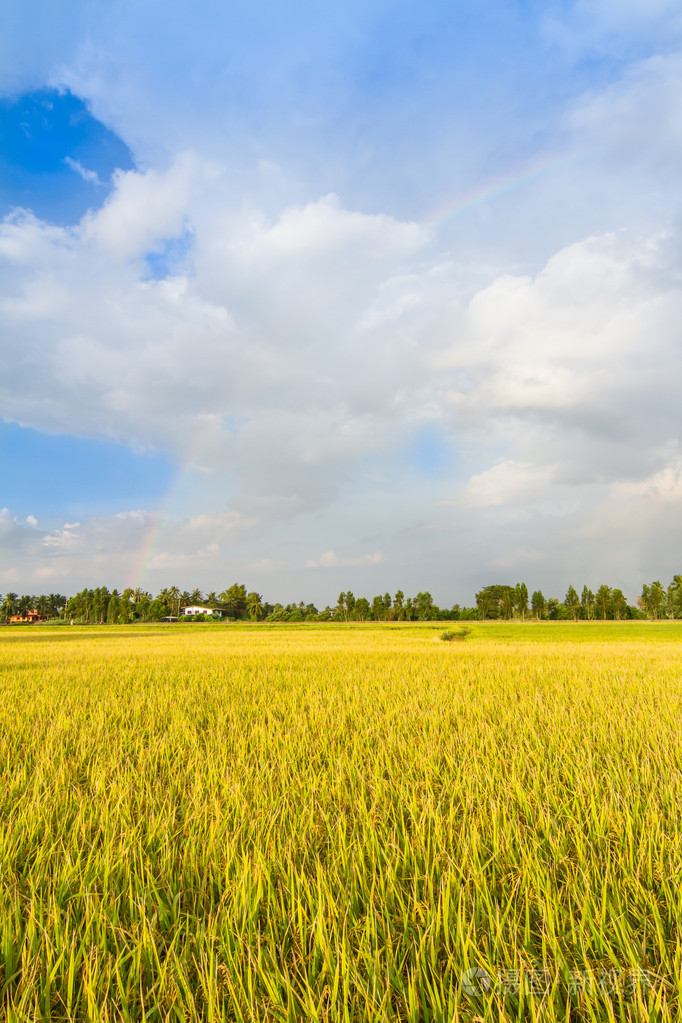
(333, 823)
(581, 632)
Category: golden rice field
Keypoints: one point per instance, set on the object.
(355, 823)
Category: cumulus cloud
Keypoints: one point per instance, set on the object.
(143, 210)
(290, 349)
(509, 482)
(578, 368)
(285, 353)
(330, 560)
(257, 359)
(63, 539)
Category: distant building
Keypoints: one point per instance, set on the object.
(30, 616)
(196, 610)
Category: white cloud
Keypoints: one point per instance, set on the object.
(509, 482)
(287, 353)
(62, 539)
(330, 560)
(257, 360)
(91, 176)
(295, 346)
(634, 119)
(143, 210)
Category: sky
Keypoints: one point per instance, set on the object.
(318, 297)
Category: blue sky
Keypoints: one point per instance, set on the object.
(56, 158)
(304, 295)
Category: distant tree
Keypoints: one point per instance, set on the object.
(484, 603)
(362, 609)
(506, 602)
(345, 606)
(521, 600)
(657, 600)
(156, 610)
(587, 603)
(603, 601)
(9, 606)
(538, 604)
(56, 602)
(572, 602)
(619, 605)
(675, 597)
(495, 600)
(196, 597)
(113, 607)
(277, 614)
(398, 605)
(653, 600)
(233, 600)
(425, 608)
(254, 606)
(126, 606)
(174, 595)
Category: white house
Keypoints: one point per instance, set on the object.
(194, 610)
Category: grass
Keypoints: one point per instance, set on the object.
(334, 823)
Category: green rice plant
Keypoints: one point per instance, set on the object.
(459, 633)
(341, 824)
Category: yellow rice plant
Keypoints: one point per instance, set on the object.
(352, 824)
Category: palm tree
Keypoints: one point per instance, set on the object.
(9, 605)
(174, 594)
(234, 600)
(254, 605)
(675, 596)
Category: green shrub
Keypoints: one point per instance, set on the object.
(461, 633)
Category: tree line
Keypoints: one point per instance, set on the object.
(101, 605)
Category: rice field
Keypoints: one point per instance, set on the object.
(356, 823)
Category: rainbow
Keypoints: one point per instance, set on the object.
(477, 196)
(494, 188)
(152, 534)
